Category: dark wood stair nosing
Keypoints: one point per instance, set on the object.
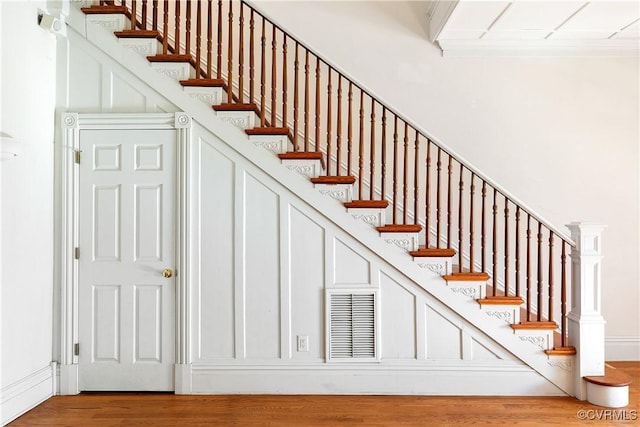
(612, 378)
(268, 131)
(104, 10)
(301, 155)
(561, 351)
(466, 276)
(333, 180)
(137, 34)
(543, 325)
(400, 228)
(501, 300)
(204, 83)
(433, 253)
(366, 204)
(236, 107)
(169, 58)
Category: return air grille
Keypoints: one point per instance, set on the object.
(352, 326)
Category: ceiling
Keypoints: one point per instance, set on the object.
(528, 27)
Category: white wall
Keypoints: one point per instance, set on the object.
(28, 99)
(559, 133)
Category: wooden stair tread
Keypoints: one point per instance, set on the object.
(204, 83)
(106, 9)
(433, 252)
(612, 378)
(236, 107)
(366, 204)
(501, 300)
(466, 276)
(333, 180)
(400, 228)
(561, 351)
(301, 155)
(169, 58)
(535, 326)
(137, 34)
(267, 131)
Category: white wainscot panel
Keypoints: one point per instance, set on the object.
(124, 98)
(307, 285)
(261, 270)
(85, 85)
(349, 266)
(214, 299)
(444, 339)
(398, 319)
(480, 352)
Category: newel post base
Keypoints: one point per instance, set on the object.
(585, 321)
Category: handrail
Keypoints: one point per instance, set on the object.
(412, 123)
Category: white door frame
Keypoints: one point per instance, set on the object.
(71, 124)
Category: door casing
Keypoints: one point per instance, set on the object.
(67, 233)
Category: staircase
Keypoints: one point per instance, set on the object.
(488, 248)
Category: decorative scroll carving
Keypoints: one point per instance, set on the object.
(535, 340)
(240, 122)
(340, 195)
(174, 73)
(401, 243)
(107, 25)
(469, 292)
(139, 48)
(302, 169)
(565, 365)
(368, 219)
(269, 145)
(434, 268)
(506, 316)
(207, 98)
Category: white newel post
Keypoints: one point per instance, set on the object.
(586, 324)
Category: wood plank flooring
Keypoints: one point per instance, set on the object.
(160, 409)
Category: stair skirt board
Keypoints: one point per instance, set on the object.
(255, 166)
(385, 379)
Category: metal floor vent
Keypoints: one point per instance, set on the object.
(352, 326)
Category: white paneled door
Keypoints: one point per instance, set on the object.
(126, 259)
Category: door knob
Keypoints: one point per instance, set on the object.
(167, 272)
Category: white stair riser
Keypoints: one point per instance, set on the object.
(142, 46)
(471, 289)
(341, 192)
(374, 217)
(508, 314)
(406, 241)
(309, 168)
(241, 119)
(539, 338)
(435, 266)
(104, 22)
(277, 144)
(209, 95)
(610, 397)
(175, 70)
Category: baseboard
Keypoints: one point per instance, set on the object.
(435, 380)
(622, 348)
(25, 394)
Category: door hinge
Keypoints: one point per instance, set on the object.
(76, 253)
(76, 349)
(78, 156)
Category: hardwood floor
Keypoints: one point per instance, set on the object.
(160, 409)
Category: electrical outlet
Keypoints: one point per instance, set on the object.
(303, 342)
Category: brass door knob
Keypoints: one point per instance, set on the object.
(167, 272)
